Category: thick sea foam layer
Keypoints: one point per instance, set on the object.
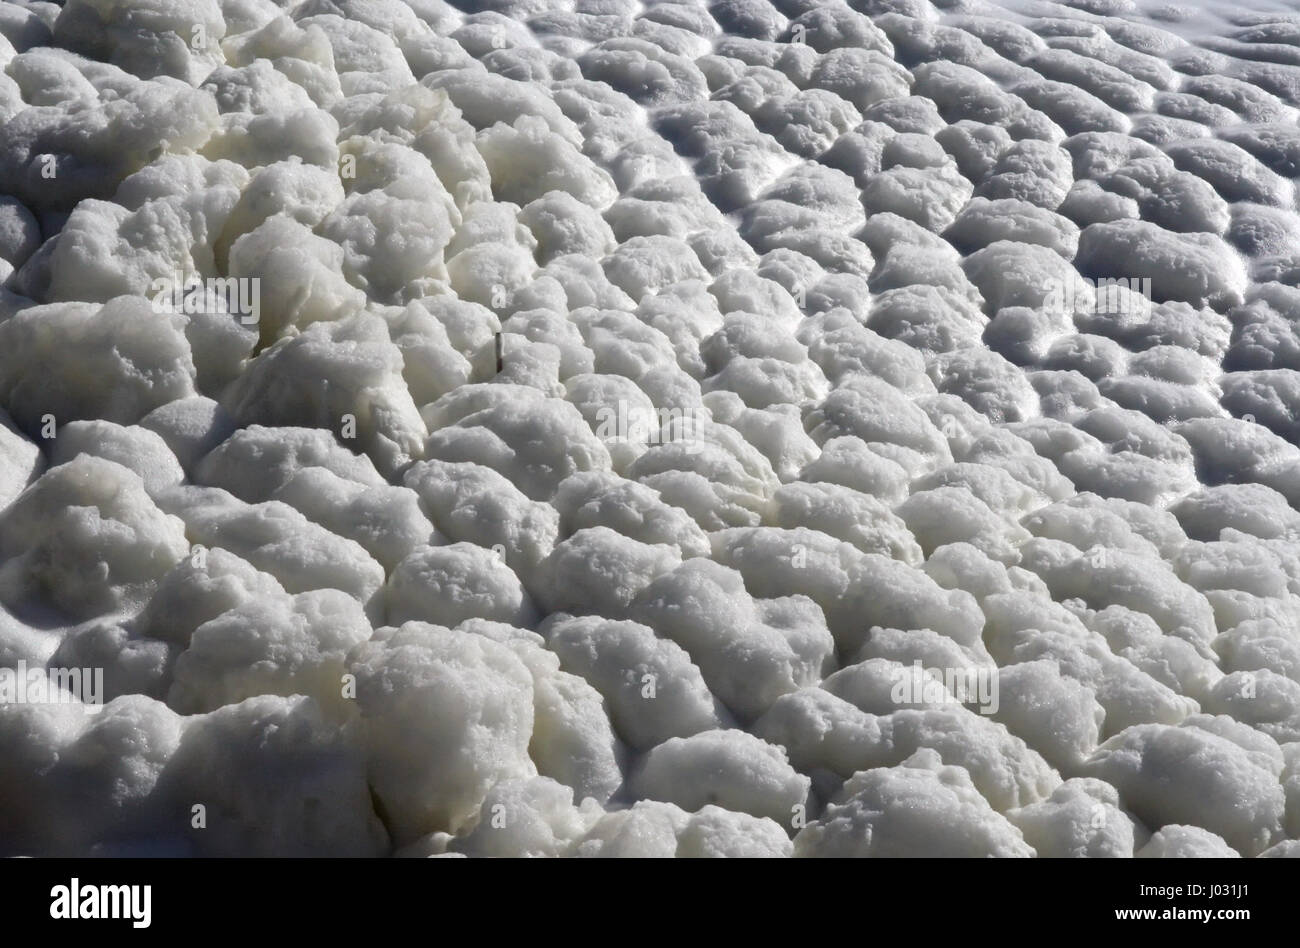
(605, 428)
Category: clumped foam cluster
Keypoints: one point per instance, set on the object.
(847, 350)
